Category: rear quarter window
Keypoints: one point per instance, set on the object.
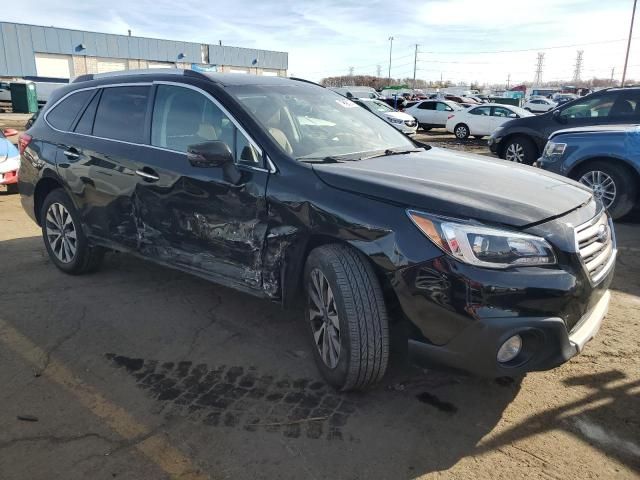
(121, 114)
(64, 113)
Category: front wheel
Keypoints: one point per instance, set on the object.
(520, 150)
(64, 239)
(611, 184)
(346, 317)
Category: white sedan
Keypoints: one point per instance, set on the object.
(482, 120)
(539, 105)
(403, 122)
(432, 113)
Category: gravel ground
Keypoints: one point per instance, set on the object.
(140, 372)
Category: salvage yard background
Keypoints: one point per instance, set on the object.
(141, 372)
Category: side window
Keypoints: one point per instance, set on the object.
(63, 114)
(85, 124)
(427, 106)
(121, 114)
(591, 107)
(481, 111)
(443, 107)
(626, 106)
(183, 117)
(503, 112)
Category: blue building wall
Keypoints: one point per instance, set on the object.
(19, 43)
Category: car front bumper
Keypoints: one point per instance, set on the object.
(546, 343)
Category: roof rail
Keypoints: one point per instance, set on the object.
(298, 79)
(146, 71)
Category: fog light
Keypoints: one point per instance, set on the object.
(510, 349)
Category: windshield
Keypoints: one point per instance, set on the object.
(379, 106)
(310, 122)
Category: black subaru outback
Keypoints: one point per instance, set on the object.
(279, 188)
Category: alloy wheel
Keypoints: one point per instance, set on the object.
(323, 318)
(515, 153)
(603, 186)
(61, 233)
(461, 132)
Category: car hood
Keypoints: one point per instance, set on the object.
(460, 185)
(7, 149)
(398, 115)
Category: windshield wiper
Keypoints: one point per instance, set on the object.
(390, 151)
(328, 159)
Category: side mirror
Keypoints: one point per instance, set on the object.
(557, 116)
(209, 154)
(9, 132)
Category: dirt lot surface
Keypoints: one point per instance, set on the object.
(140, 372)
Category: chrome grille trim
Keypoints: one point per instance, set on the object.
(597, 251)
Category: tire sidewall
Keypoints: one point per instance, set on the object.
(466, 128)
(59, 196)
(336, 376)
(527, 147)
(622, 204)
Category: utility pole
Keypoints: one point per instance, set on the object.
(578, 70)
(379, 70)
(415, 65)
(613, 71)
(539, 64)
(626, 58)
(508, 81)
(390, 51)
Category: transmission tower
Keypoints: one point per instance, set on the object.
(578, 71)
(351, 71)
(379, 70)
(539, 64)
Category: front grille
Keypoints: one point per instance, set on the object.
(410, 123)
(596, 246)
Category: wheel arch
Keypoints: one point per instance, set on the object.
(505, 141)
(634, 171)
(49, 182)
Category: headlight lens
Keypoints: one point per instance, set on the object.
(484, 246)
(554, 150)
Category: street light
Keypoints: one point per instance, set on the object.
(390, 50)
(626, 58)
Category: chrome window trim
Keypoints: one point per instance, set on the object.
(271, 166)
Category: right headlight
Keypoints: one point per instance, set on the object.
(484, 246)
(554, 151)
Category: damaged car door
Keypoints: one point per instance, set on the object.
(206, 216)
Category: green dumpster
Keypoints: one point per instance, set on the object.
(24, 98)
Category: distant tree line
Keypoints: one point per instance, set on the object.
(381, 82)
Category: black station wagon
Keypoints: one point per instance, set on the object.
(279, 188)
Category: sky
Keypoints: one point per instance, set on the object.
(459, 40)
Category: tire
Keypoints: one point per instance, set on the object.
(478, 137)
(13, 188)
(612, 179)
(423, 127)
(358, 310)
(461, 131)
(78, 256)
(520, 150)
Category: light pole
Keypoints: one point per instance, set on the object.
(390, 50)
(626, 58)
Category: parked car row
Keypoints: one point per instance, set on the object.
(9, 162)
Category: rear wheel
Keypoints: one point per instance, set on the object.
(612, 184)
(520, 150)
(424, 127)
(64, 239)
(461, 131)
(347, 317)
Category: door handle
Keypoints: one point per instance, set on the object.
(71, 154)
(148, 175)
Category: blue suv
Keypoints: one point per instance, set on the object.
(605, 159)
